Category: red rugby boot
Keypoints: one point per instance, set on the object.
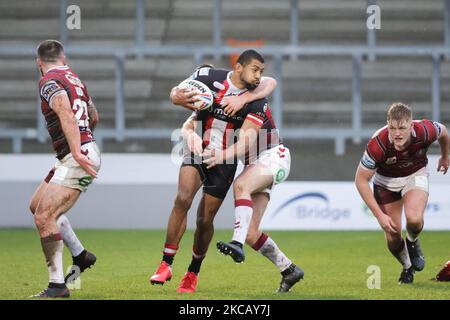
(163, 274)
(188, 283)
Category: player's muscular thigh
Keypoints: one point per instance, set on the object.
(415, 202)
(37, 196)
(188, 184)
(56, 200)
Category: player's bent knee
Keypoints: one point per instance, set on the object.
(183, 200)
(41, 219)
(239, 187)
(204, 222)
(414, 220)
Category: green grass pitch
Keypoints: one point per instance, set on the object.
(335, 265)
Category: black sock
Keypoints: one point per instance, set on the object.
(168, 259)
(195, 265)
(56, 285)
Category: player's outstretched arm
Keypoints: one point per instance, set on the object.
(61, 105)
(233, 104)
(183, 97)
(362, 180)
(444, 141)
(264, 89)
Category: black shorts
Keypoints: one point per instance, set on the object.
(217, 180)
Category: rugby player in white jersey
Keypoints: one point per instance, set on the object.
(268, 163)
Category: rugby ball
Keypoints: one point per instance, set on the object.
(204, 94)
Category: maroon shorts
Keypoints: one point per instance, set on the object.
(49, 175)
(385, 196)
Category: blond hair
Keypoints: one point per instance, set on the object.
(399, 111)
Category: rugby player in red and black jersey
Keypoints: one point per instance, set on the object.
(71, 117)
(268, 163)
(396, 159)
(246, 81)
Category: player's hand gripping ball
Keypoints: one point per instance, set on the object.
(204, 95)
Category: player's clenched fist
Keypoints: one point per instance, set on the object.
(443, 164)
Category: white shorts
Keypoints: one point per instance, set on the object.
(68, 172)
(278, 162)
(417, 180)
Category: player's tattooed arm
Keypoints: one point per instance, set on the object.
(444, 141)
(61, 105)
(233, 104)
(362, 180)
(246, 144)
(93, 116)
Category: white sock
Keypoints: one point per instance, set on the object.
(69, 236)
(243, 213)
(53, 248)
(268, 248)
(403, 257)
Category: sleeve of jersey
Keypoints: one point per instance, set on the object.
(204, 75)
(372, 156)
(433, 130)
(51, 89)
(257, 114)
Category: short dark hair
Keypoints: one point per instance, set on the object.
(50, 50)
(248, 55)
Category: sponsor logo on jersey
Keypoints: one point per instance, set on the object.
(74, 80)
(406, 164)
(367, 161)
(204, 71)
(218, 85)
(220, 112)
(391, 160)
(49, 88)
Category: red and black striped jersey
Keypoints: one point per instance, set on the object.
(57, 81)
(259, 113)
(382, 156)
(218, 128)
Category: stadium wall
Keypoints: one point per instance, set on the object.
(137, 191)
